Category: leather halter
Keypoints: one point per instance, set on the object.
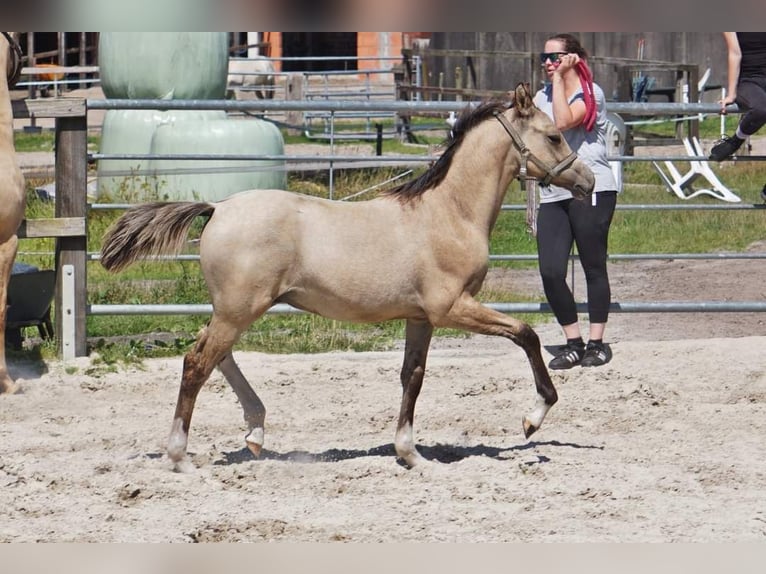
(16, 50)
(527, 155)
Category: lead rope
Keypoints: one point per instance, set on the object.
(532, 205)
(529, 186)
(586, 81)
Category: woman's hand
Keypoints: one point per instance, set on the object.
(566, 63)
(729, 99)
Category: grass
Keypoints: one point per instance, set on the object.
(132, 338)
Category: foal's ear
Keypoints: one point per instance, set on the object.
(522, 99)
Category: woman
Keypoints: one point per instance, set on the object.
(746, 87)
(577, 107)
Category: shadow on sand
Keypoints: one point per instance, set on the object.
(443, 453)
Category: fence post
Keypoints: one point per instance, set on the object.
(65, 313)
(294, 91)
(71, 201)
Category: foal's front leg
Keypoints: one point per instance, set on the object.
(469, 314)
(418, 339)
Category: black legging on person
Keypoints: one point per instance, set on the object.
(751, 96)
(561, 223)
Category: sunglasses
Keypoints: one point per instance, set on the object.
(552, 56)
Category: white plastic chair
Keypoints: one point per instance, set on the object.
(701, 90)
(681, 184)
(616, 133)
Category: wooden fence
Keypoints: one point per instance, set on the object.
(69, 225)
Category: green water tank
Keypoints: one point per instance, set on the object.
(177, 66)
(167, 65)
(131, 132)
(213, 180)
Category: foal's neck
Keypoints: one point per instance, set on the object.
(481, 172)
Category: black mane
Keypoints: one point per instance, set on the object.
(468, 119)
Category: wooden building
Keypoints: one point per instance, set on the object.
(497, 60)
(362, 50)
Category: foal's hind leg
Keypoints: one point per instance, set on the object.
(253, 407)
(469, 314)
(213, 343)
(413, 370)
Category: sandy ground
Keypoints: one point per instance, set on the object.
(665, 443)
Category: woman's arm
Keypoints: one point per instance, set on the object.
(734, 59)
(566, 115)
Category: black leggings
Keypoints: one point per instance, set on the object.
(751, 96)
(559, 225)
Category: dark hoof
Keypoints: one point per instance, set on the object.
(529, 428)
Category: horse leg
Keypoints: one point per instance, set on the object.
(253, 408)
(7, 255)
(418, 338)
(467, 313)
(213, 343)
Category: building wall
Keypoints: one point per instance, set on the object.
(706, 49)
(369, 44)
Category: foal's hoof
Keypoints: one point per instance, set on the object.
(9, 388)
(255, 449)
(254, 441)
(529, 428)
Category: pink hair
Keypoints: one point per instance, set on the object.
(586, 81)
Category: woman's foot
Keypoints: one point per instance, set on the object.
(596, 354)
(569, 357)
(725, 147)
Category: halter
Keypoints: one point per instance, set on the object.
(16, 50)
(527, 155)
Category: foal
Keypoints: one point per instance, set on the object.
(419, 253)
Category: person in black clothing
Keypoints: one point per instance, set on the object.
(577, 107)
(746, 87)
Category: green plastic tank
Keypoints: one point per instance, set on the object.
(213, 180)
(166, 65)
(177, 66)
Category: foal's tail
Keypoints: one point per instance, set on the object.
(150, 229)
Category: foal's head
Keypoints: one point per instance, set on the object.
(541, 145)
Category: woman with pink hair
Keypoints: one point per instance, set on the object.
(578, 108)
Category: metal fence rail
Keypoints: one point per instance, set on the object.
(412, 107)
(625, 307)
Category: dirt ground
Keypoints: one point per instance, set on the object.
(665, 443)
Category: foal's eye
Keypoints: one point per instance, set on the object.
(555, 139)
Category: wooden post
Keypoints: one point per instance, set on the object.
(679, 97)
(534, 73)
(71, 201)
(693, 75)
(294, 91)
(32, 62)
(459, 83)
(83, 58)
(57, 90)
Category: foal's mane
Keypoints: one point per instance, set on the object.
(469, 118)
